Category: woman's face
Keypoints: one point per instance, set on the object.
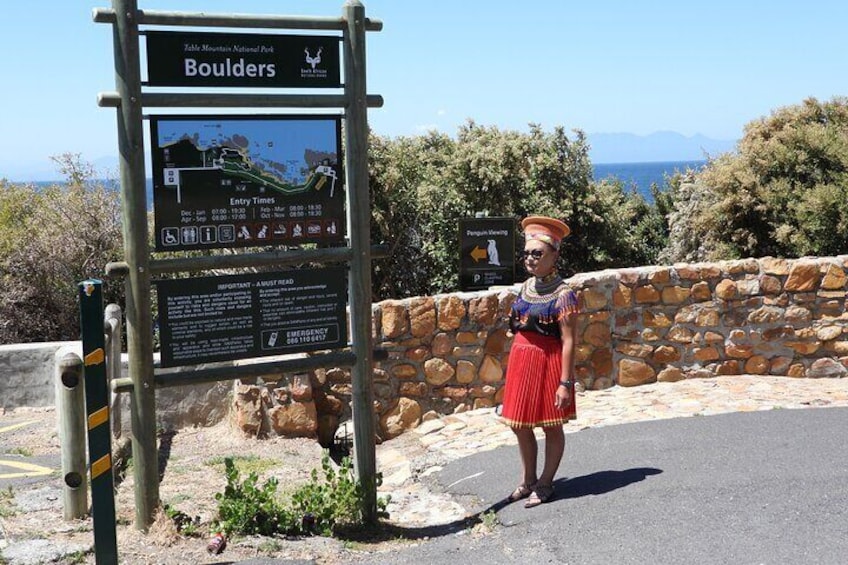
(539, 258)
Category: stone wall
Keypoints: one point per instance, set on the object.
(448, 353)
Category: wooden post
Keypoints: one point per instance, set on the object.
(359, 227)
(112, 325)
(137, 256)
(70, 408)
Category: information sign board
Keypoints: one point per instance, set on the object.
(242, 59)
(487, 252)
(240, 181)
(255, 315)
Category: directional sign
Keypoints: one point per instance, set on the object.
(487, 252)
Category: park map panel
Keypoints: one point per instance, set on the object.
(241, 181)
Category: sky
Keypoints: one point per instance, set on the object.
(605, 66)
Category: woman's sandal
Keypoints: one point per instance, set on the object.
(521, 491)
(540, 495)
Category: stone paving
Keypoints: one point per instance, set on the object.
(408, 460)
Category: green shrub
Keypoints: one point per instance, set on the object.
(52, 239)
(783, 193)
(330, 500)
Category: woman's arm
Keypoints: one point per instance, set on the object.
(568, 330)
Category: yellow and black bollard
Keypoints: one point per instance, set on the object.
(97, 411)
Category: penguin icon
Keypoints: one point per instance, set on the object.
(492, 251)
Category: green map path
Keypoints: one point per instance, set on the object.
(254, 175)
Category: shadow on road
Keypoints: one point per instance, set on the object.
(601, 482)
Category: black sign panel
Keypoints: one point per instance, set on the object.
(241, 181)
(249, 60)
(241, 316)
(487, 247)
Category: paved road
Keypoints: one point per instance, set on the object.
(17, 466)
(764, 487)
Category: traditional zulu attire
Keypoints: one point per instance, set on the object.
(535, 360)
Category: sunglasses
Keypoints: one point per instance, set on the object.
(534, 253)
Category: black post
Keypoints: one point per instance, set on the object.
(97, 412)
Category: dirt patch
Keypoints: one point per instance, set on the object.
(192, 472)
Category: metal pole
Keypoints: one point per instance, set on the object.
(97, 410)
(137, 254)
(70, 407)
(358, 200)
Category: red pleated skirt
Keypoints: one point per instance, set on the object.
(532, 378)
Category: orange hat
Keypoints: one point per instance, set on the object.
(549, 230)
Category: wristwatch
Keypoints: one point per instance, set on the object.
(567, 384)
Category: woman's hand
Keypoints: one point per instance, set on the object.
(563, 397)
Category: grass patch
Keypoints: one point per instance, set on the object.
(244, 464)
(7, 504)
(270, 546)
(22, 451)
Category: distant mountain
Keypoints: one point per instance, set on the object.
(658, 146)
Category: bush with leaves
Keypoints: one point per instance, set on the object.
(784, 192)
(245, 507)
(422, 186)
(331, 500)
(51, 239)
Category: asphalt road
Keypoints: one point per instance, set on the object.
(759, 488)
(17, 467)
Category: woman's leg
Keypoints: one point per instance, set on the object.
(529, 450)
(554, 448)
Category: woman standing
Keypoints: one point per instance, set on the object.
(540, 375)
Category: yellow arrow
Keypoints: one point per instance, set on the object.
(16, 426)
(29, 469)
(478, 253)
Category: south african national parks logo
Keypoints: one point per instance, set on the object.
(314, 62)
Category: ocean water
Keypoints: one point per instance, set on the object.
(634, 175)
(641, 175)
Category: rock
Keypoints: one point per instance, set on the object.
(772, 266)
(406, 415)
(704, 354)
(592, 299)
(770, 285)
(635, 372)
(415, 390)
(757, 365)
(804, 276)
(437, 371)
(298, 419)
(465, 372)
(665, 354)
(451, 311)
(422, 316)
(405, 371)
(726, 290)
(622, 297)
(701, 292)
(394, 319)
(834, 277)
(647, 295)
(826, 368)
(490, 370)
(670, 375)
(247, 408)
(442, 344)
(484, 310)
(675, 294)
(496, 343)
